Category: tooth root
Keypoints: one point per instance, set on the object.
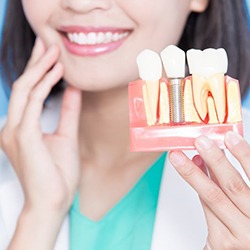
(233, 102)
(216, 85)
(153, 96)
(150, 96)
(200, 93)
(211, 111)
(189, 109)
(164, 104)
(217, 88)
(150, 120)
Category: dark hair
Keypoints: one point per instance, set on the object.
(223, 24)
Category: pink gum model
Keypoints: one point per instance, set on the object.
(163, 137)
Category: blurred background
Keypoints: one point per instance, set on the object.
(4, 98)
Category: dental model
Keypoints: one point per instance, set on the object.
(174, 64)
(150, 70)
(171, 112)
(208, 68)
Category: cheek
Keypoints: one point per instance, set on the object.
(30, 11)
(160, 22)
(37, 13)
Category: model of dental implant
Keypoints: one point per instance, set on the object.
(170, 110)
(215, 98)
(173, 60)
(207, 96)
(150, 70)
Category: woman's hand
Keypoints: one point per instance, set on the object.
(225, 196)
(47, 165)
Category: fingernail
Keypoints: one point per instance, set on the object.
(177, 158)
(198, 161)
(232, 138)
(203, 142)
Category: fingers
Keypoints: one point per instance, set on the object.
(70, 113)
(198, 161)
(34, 107)
(215, 225)
(226, 175)
(38, 50)
(209, 192)
(24, 85)
(240, 149)
(219, 236)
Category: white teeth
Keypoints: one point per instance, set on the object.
(149, 64)
(208, 68)
(108, 37)
(207, 62)
(93, 38)
(150, 70)
(82, 38)
(174, 61)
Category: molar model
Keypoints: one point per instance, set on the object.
(170, 112)
(150, 70)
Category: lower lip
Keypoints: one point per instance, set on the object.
(92, 50)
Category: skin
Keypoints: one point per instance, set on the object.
(98, 153)
(225, 195)
(123, 14)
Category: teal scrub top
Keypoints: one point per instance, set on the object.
(128, 225)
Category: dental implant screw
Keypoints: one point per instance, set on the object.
(176, 100)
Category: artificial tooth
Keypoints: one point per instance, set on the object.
(211, 111)
(190, 112)
(208, 68)
(150, 70)
(164, 104)
(233, 102)
(174, 61)
(174, 64)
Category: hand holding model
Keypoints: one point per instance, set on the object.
(47, 165)
(224, 194)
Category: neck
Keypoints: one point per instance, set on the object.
(104, 130)
(109, 169)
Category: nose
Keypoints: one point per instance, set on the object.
(85, 6)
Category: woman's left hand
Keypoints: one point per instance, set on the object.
(225, 196)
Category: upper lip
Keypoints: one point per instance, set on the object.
(88, 29)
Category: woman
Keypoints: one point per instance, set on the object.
(92, 45)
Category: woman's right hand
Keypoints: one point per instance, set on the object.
(47, 165)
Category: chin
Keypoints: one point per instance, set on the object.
(94, 84)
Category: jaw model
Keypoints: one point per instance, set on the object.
(212, 97)
(150, 70)
(210, 100)
(208, 68)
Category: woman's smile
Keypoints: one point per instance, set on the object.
(93, 41)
